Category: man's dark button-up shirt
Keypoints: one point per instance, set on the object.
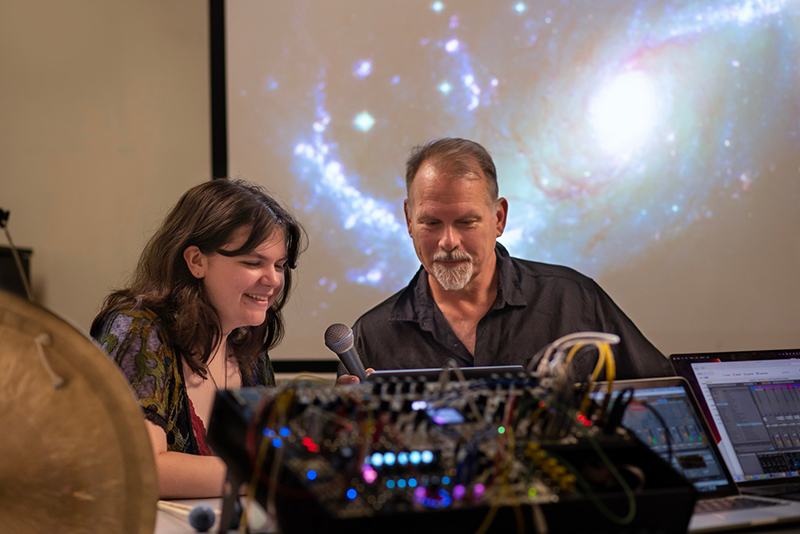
(536, 304)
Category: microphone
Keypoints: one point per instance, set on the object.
(339, 338)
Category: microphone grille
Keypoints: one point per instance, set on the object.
(339, 338)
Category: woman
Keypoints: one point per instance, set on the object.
(202, 310)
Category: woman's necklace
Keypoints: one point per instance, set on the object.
(224, 372)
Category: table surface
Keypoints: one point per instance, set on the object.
(261, 523)
(169, 523)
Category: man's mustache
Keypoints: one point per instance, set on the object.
(453, 255)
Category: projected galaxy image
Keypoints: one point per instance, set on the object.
(613, 125)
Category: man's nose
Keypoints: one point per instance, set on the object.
(449, 239)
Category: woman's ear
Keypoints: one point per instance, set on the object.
(196, 261)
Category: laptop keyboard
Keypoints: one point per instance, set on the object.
(777, 489)
(735, 503)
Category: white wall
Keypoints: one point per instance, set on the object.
(104, 123)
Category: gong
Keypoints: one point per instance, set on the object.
(74, 451)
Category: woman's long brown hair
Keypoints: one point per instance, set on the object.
(207, 216)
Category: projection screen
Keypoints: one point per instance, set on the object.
(652, 145)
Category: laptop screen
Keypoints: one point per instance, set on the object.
(663, 414)
(752, 402)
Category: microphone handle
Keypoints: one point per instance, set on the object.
(352, 362)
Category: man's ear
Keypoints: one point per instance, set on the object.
(501, 215)
(408, 217)
(196, 261)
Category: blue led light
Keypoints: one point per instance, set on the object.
(412, 482)
(445, 88)
(277, 443)
(443, 501)
(402, 458)
(351, 494)
(311, 474)
(445, 480)
(520, 8)
(285, 432)
(268, 432)
(377, 459)
(389, 458)
(427, 457)
(415, 457)
(401, 483)
(437, 6)
(390, 484)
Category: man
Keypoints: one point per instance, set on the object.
(470, 301)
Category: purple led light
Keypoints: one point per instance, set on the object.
(369, 474)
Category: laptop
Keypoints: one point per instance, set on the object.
(751, 401)
(656, 402)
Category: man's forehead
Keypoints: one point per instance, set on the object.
(448, 212)
(432, 183)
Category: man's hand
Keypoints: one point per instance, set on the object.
(347, 380)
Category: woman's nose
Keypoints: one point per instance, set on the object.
(271, 277)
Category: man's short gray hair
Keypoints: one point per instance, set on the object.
(455, 156)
